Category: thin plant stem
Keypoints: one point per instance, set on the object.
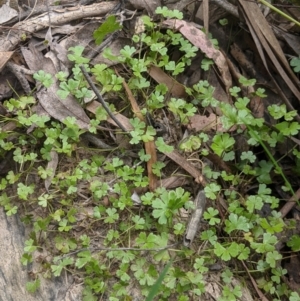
(280, 12)
(278, 168)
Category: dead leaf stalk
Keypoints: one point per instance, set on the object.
(100, 99)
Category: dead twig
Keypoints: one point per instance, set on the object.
(19, 72)
(101, 100)
(20, 30)
(230, 8)
(290, 204)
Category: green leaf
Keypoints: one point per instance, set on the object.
(147, 21)
(294, 297)
(33, 286)
(272, 257)
(235, 222)
(206, 63)
(63, 226)
(45, 78)
(179, 228)
(222, 143)
(233, 249)
(222, 252)
(294, 243)
(43, 200)
(248, 156)
(112, 215)
(295, 62)
(168, 203)
(191, 143)
(244, 252)
(210, 214)
(181, 108)
(260, 92)
(199, 265)
(24, 191)
(109, 26)
(162, 146)
(65, 245)
(76, 55)
(84, 258)
(146, 242)
(264, 172)
(26, 259)
(143, 156)
(247, 82)
(61, 76)
(167, 13)
(242, 103)
(223, 22)
(277, 111)
(234, 91)
(149, 134)
(11, 210)
(262, 189)
(127, 51)
(254, 202)
(157, 167)
(29, 246)
(57, 269)
(227, 276)
(210, 236)
(122, 273)
(209, 173)
(188, 48)
(288, 128)
(139, 222)
(88, 295)
(268, 244)
(160, 48)
(211, 189)
(177, 69)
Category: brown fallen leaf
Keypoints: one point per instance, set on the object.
(186, 165)
(200, 40)
(269, 48)
(61, 109)
(4, 58)
(205, 123)
(55, 107)
(175, 88)
(292, 40)
(7, 12)
(173, 182)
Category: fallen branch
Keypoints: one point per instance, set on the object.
(59, 17)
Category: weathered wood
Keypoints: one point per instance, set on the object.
(24, 28)
(14, 276)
